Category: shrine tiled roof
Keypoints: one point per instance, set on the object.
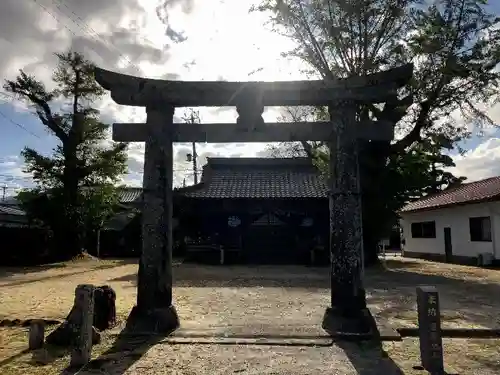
(11, 210)
(130, 194)
(472, 192)
(258, 178)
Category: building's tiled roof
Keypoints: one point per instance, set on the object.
(258, 178)
(473, 192)
(11, 210)
(130, 194)
(9, 200)
(119, 220)
(126, 195)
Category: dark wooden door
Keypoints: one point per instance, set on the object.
(269, 245)
(448, 250)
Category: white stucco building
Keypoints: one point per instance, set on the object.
(459, 225)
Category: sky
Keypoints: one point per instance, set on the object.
(168, 39)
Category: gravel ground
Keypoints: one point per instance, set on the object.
(265, 300)
(220, 359)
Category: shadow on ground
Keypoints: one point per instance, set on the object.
(8, 272)
(8, 360)
(363, 354)
(128, 347)
(462, 300)
(391, 289)
(204, 276)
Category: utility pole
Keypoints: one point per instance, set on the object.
(195, 167)
(193, 118)
(4, 192)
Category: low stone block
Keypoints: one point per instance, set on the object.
(36, 334)
(104, 307)
(81, 326)
(66, 334)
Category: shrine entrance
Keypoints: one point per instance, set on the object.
(269, 243)
(154, 309)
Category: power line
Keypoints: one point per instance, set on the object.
(2, 114)
(18, 124)
(30, 178)
(7, 175)
(58, 6)
(88, 30)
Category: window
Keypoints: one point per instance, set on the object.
(480, 229)
(425, 229)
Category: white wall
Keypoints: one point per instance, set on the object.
(456, 218)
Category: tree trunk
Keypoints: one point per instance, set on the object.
(370, 251)
(73, 230)
(373, 157)
(67, 242)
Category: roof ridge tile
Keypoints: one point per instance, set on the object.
(466, 193)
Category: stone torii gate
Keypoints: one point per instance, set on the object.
(154, 308)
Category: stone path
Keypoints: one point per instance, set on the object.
(252, 359)
(285, 308)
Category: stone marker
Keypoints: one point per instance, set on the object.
(104, 307)
(429, 327)
(221, 250)
(36, 334)
(65, 334)
(82, 326)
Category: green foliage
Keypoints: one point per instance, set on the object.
(75, 189)
(455, 48)
(454, 45)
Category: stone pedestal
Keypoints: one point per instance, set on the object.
(348, 302)
(154, 292)
(161, 320)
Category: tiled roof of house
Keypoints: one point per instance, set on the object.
(126, 195)
(258, 178)
(130, 194)
(119, 220)
(11, 210)
(9, 200)
(472, 192)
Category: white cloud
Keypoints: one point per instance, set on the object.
(221, 41)
(480, 162)
(12, 177)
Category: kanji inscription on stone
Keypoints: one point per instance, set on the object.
(429, 327)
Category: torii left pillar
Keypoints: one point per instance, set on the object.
(155, 310)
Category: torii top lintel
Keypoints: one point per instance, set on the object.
(136, 91)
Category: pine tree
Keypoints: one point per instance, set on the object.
(75, 186)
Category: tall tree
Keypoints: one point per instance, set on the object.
(75, 185)
(455, 46)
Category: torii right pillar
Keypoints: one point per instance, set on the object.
(348, 312)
